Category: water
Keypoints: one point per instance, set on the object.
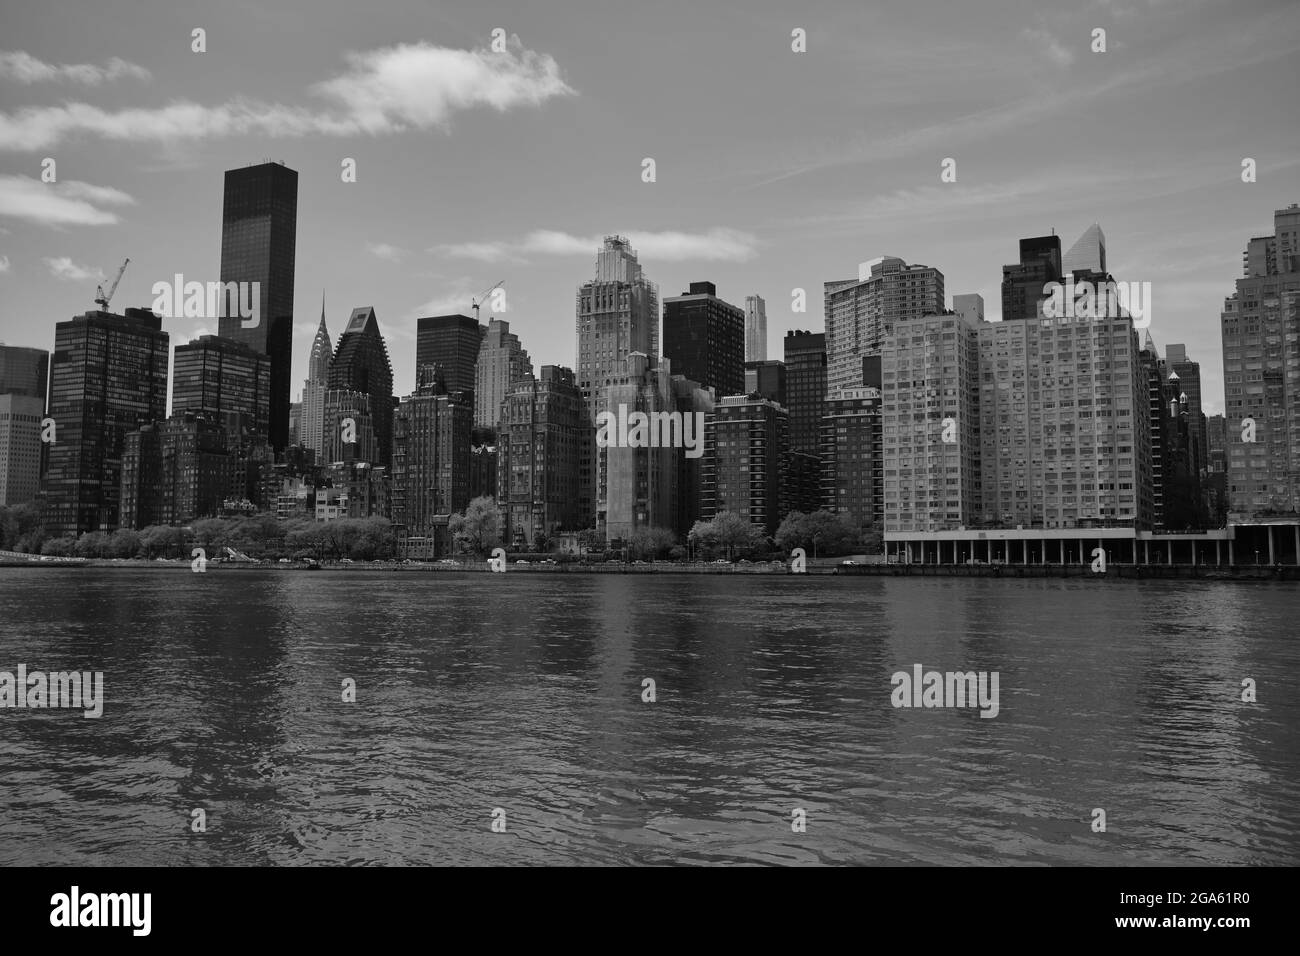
(524, 692)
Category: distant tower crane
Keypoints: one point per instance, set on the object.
(476, 302)
(102, 300)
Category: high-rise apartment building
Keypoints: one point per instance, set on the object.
(704, 339)
(852, 456)
(861, 314)
(537, 445)
(258, 241)
(745, 440)
(108, 376)
(1261, 370)
(930, 398)
(361, 364)
(502, 361)
(431, 457)
(755, 329)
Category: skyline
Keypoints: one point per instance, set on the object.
(761, 187)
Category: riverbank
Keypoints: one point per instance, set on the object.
(527, 566)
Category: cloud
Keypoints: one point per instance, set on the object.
(1055, 52)
(64, 268)
(71, 202)
(4, 264)
(382, 250)
(388, 90)
(716, 245)
(26, 69)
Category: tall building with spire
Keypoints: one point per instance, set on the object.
(361, 364)
(617, 314)
(311, 428)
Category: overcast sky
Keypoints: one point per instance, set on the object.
(775, 169)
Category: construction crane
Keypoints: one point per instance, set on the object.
(478, 300)
(102, 300)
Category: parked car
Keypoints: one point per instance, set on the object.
(286, 561)
(522, 561)
(722, 561)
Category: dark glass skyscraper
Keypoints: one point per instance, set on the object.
(24, 371)
(704, 339)
(226, 380)
(108, 377)
(805, 388)
(361, 365)
(258, 233)
(451, 342)
(1022, 282)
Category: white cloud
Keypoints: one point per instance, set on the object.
(4, 264)
(387, 90)
(382, 250)
(1058, 54)
(70, 202)
(62, 267)
(715, 245)
(24, 68)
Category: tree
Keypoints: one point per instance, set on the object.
(650, 542)
(18, 522)
(375, 539)
(734, 534)
(161, 541)
(124, 543)
(92, 544)
(59, 547)
(820, 533)
(478, 528)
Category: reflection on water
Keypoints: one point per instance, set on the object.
(524, 692)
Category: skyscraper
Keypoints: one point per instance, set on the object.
(852, 467)
(108, 377)
(361, 364)
(1022, 282)
(538, 455)
(502, 361)
(704, 339)
(617, 313)
(745, 441)
(24, 381)
(1087, 254)
(637, 487)
(24, 371)
(805, 388)
(755, 329)
(1189, 379)
(311, 428)
(226, 381)
(452, 343)
(431, 458)
(860, 314)
(931, 483)
(1261, 371)
(258, 240)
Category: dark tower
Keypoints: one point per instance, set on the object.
(361, 365)
(258, 229)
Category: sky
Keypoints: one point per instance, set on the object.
(775, 170)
